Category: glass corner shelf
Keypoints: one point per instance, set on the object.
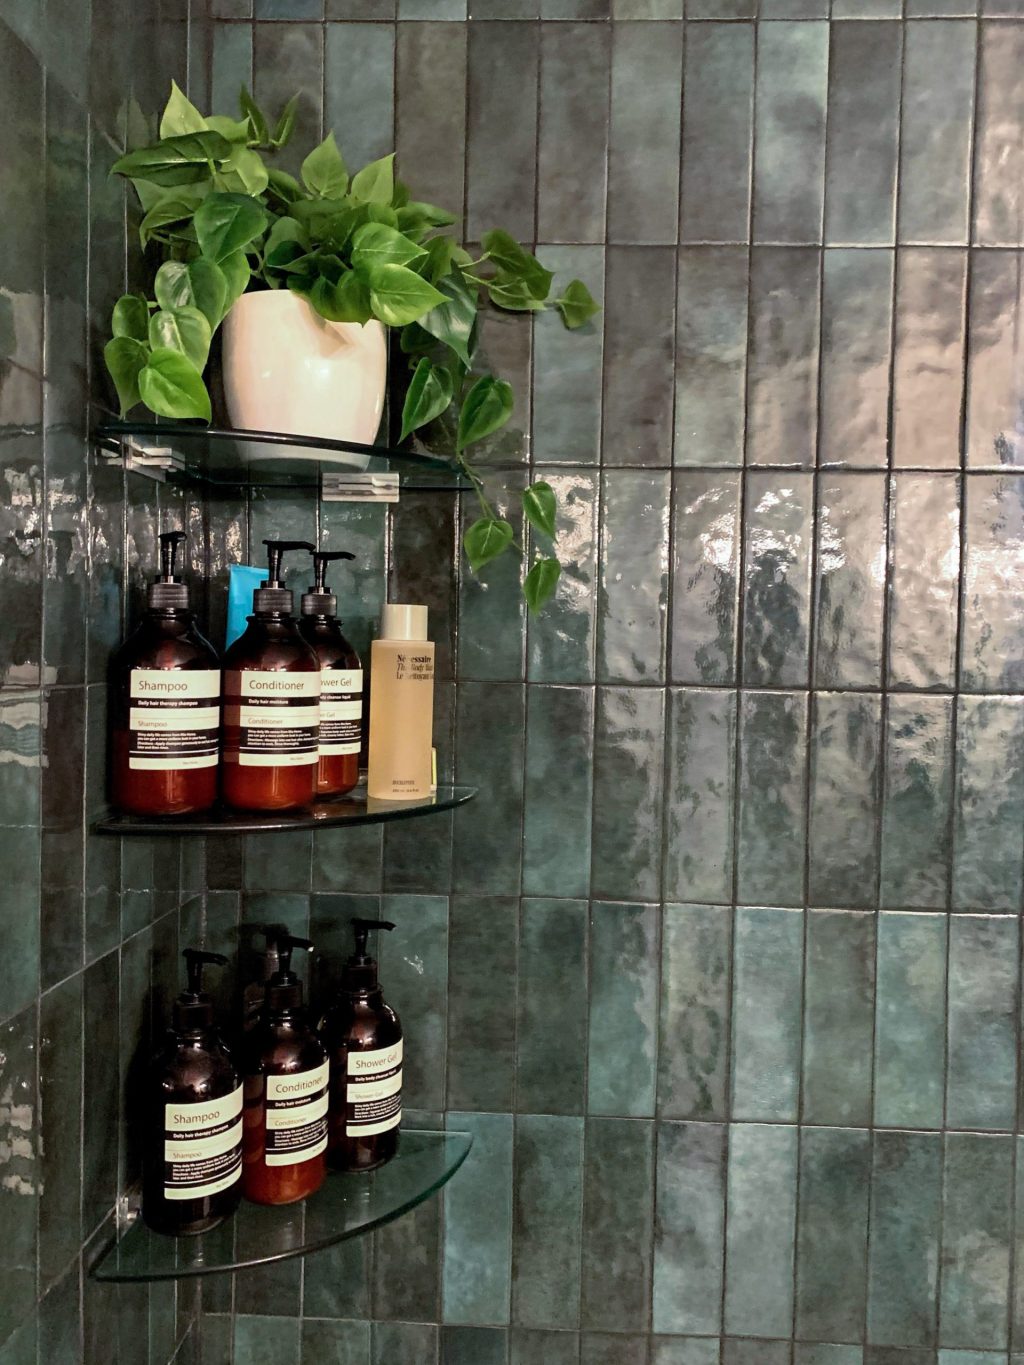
(354, 809)
(345, 1206)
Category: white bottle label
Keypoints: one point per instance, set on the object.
(296, 1116)
(373, 1092)
(341, 710)
(202, 1147)
(279, 718)
(173, 719)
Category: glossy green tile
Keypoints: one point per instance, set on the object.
(701, 766)
(976, 1213)
(336, 1285)
(551, 1004)
(281, 54)
(21, 1139)
(60, 1319)
(808, 1354)
(430, 115)
(992, 657)
(617, 1225)
(782, 371)
(839, 1000)
(560, 640)
(929, 355)
(849, 592)
(347, 860)
(607, 1348)
(856, 320)
(60, 1099)
(272, 1290)
(532, 1346)
(404, 1343)
(407, 1283)
(969, 1358)
(684, 1351)
(414, 966)
(623, 1037)
(639, 376)
(760, 1229)
(926, 558)
(916, 834)
(22, 1345)
(832, 1232)
(767, 972)
(265, 1340)
(998, 151)
(335, 1343)
(501, 130)
(863, 134)
(567, 385)
(687, 1285)
(994, 437)
(481, 1002)
(711, 355)
(643, 161)
(695, 979)
(771, 797)
(1017, 1286)
(981, 1082)
(705, 566)
(20, 759)
(846, 742)
(789, 161)
(628, 796)
(490, 736)
(491, 605)
(280, 864)
(718, 90)
(474, 1346)
(547, 1206)
(99, 1154)
(572, 148)
(910, 1021)
(558, 791)
(887, 1355)
(359, 69)
(20, 973)
(478, 1224)
(777, 579)
(750, 1351)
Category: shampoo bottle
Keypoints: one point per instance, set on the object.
(165, 701)
(401, 706)
(271, 702)
(286, 1076)
(363, 1037)
(341, 682)
(193, 1155)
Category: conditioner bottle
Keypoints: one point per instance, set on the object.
(341, 682)
(401, 706)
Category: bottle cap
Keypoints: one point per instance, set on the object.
(193, 1009)
(272, 597)
(320, 601)
(400, 621)
(285, 989)
(360, 972)
(167, 591)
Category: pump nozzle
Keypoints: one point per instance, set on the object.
(320, 601)
(168, 590)
(285, 989)
(272, 595)
(360, 972)
(169, 542)
(193, 1008)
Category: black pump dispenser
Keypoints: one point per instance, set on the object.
(320, 601)
(360, 972)
(168, 592)
(193, 1008)
(272, 597)
(285, 989)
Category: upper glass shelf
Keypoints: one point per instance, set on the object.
(354, 809)
(345, 1206)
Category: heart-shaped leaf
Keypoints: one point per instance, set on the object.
(377, 244)
(541, 582)
(375, 183)
(452, 321)
(237, 273)
(171, 386)
(540, 507)
(125, 358)
(576, 305)
(399, 295)
(346, 301)
(487, 406)
(235, 130)
(130, 318)
(244, 171)
(429, 394)
(199, 284)
(517, 262)
(186, 156)
(226, 223)
(324, 172)
(181, 329)
(173, 208)
(285, 186)
(485, 540)
(180, 115)
(513, 294)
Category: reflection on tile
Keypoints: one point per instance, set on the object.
(501, 168)
(639, 377)
(835, 1165)
(776, 579)
(617, 1225)
(760, 1236)
(906, 1203)
(430, 117)
(927, 379)
(558, 791)
(491, 605)
(995, 425)
(623, 1037)
(478, 1223)
(718, 89)
(481, 1002)
(925, 570)
(976, 1211)
(695, 971)
(551, 1002)
(851, 580)
(634, 568)
(701, 761)
(767, 975)
(705, 563)
(846, 733)
(548, 1200)
(20, 1137)
(572, 149)
(782, 385)
(628, 755)
(688, 1228)
(916, 834)
(643, 174)
(856, 314)
(988, 828)
(60, 1097)
(711, 355)
(771, 812)
(992, 658)
(999, 148)
(789, 165)
(910, 1022)
(567, 387)
(935, 137)
(981, 1080)
(560, 644)
(839, 1000)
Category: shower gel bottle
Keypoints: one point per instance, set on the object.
(341, 682)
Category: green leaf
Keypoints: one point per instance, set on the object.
(181, 329)
(171, 386)
(377, 244)
(375, 183)
(429, 394)
(514, 260)
(225, 223)
(413, 338)
(346, 301)
(180, 115)
(125, 358)
(284, 231)
(399, 295)
(485, 540)
(171, 209)
(324, 172)
(285, 124)
(235, 130)
(540, 507)
(487, 406)
(197, 284)
(175, 160)
(254, 115)
(244, 171)
(452, 321)
(416, 216)
(439, 259)
(541, 582)
(513, 294)
(285, 186)
(130, 318)
(576, 305)
(236, 272)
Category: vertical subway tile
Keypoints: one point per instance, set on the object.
(607, 1348)
(910, 1020)
(617, 1225)
(572, 148)
(359, 77)
(916, 835)
(474, 1346)
(478, 1224)
(777, 579)
(981, 1072)
(718, 90)
(863, 133)
(839, 1001)
(19, 1132)
(535, 1346)
(925, 574)
(999, 147)
(705, 564)
(721, 9)
(789, 163)
(481, 1002)
(639, 377)
(490, 735)
(633, 584)
(906, 1204)
(995, 427)
(404, 1343)
(623, 1036)
(988, 818)
(643, 163)
(415, 960)
(766, 996)
(695, 979)
(771, 797)
(548, 1200)
(824, 1353)
(283, 56)
(701, 761)
(687, 1287)
(992, 647)
(935, 137)
(406, 1272)
(850, 584)
(560, 643)
(782, 378)
(501, 155)
(552, 1000)
(1017, 1287)
(558, 791)
(430, 117)
(928, 371)
(856, 318)
(917, 9)
(61, 1028)
(977, 1203)
(754, 1351)
(684, 1351)
(492, 611)
(711, 355)
(846, 743)
(341, 1343)
(628, 755)
(567, 388)
(832, 1234)
(760, 1235)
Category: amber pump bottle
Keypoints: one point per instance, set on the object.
(341, 682)
(271, 702)
(286, 1078)
(363, 1037)
(193, 1156)
(165, 689)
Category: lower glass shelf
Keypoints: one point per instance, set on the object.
(346, 1206)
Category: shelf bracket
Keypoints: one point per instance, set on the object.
(150, 460)
(358, 487)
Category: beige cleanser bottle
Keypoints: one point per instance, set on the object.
(401, 706)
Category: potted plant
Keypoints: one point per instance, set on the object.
(308, 274)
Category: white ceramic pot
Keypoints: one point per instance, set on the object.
(288, 369)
